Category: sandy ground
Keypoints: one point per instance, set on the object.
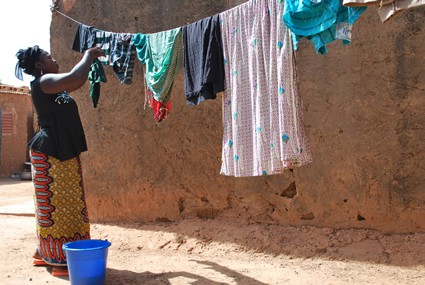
(217, 251)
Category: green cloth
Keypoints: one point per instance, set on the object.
(96, 75)
(160, 53)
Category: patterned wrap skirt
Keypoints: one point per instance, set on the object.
(60, 207)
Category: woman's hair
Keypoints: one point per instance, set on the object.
(26, 61)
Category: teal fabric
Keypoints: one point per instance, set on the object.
(320, 21)
(96, 76)
(306, 18)
(140, 41)
(160, 53)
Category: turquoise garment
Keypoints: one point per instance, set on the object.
(96, 75)
(321, 21)
(160, 53)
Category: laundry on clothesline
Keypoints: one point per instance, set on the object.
(247, 52)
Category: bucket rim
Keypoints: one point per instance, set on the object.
(66, 247)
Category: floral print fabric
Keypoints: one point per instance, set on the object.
(263, 131)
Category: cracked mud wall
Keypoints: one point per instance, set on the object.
(363, 111)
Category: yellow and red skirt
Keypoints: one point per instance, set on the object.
(60, 206)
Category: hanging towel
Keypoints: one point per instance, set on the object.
(320, 21)
(263, 132)
(161, 54)
(96, 75)
(203, 60)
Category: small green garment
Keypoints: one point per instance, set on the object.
(161, 54)
(96, 75)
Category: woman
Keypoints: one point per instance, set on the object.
(61, 212)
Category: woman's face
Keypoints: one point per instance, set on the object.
(47, 64)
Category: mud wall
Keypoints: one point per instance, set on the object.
(17, 128)
(363, 111)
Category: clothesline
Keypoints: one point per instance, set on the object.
(54, 8)
(386, 11)
(320, 37)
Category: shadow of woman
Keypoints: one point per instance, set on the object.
(126, 277)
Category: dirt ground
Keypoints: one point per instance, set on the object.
(217, 251)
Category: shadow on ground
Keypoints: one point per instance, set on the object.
(117, 277)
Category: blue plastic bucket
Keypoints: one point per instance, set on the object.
(86, 261)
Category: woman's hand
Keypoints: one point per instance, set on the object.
(95, 52)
